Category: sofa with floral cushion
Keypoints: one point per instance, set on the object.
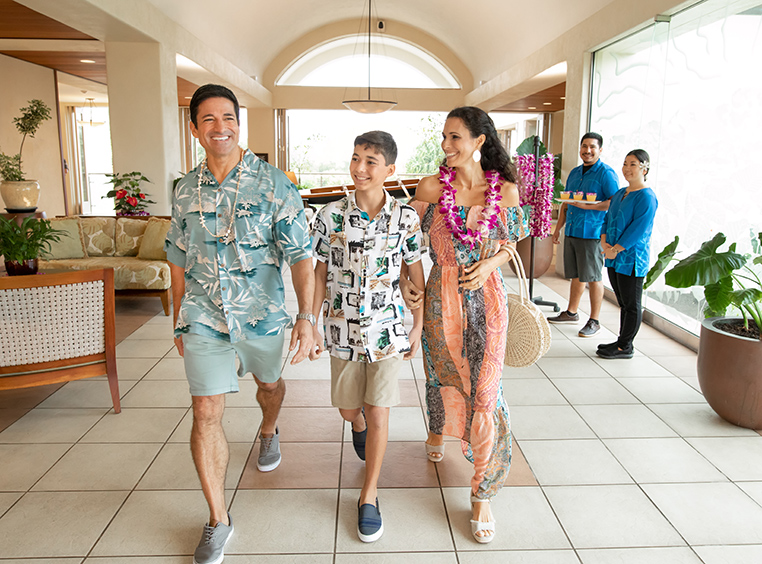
(133, 247)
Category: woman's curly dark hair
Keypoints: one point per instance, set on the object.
(494, 155)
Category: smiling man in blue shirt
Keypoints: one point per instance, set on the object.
(583, 261)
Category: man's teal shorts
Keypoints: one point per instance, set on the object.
(210, 363)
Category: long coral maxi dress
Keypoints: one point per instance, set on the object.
(464, 344)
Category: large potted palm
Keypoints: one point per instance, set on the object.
(21, 194)
(729, 362)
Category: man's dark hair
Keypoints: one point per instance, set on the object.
(212, 91)
(591, 135)
(380, 141)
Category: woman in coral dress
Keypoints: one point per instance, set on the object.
(469, 213)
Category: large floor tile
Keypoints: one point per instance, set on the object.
(571, 368)
(619, 421)
(138, 560)
(153, 331)
(22, 465)
(303, 466)
(639, 556)
(144, 348)
(173, 468)
(309, 514)
(697, 420)
(156, 523)
(533, 371)
(405, 424)
(718, 513)
(636, 367)
(610, 517)
(167, 369)
(573, 462)
(519, 557)
(26, 397)
(730, 554)
(405, 466)
(456, 471)
(531, 391)
(523, 521)
(7, 500)
(662, 346)
(158, 393)
(592, 391)
(680, 366)
(43, 561)
(414, 521)
(548, 422)
(564, 348)
(753, 490)
(307, 393)
(137, 425)
(662, 390)
(53, 425)
(99, 467)
(241, 425)
(52, 513)
(663, 461)
(134, 368)
(85, 393)
(406, 557)
(739, 458)
(310, 424)
(278, 559)
(319, 369)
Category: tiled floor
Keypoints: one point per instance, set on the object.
(614, 462)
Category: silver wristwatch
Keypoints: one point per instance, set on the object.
(308, 316)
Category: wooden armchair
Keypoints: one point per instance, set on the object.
(57, 328)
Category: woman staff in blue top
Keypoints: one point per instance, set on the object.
(626, 240)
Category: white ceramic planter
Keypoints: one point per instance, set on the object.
(20, 196)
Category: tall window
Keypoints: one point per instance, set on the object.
(688, 91)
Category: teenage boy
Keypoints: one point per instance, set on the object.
(583, 258)
(360, 242)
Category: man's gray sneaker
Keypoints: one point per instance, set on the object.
(213, 540)
(590, 328)
(269, 452)
(564, 317)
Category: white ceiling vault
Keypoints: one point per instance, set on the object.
(488, 36)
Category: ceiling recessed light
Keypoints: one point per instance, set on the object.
(188, 97)
(547, 104)
(563, 97)
(531, 108)
(89, 61)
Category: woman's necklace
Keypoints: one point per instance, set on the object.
(229, 235)
(455, 224)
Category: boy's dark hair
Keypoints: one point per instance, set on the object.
(591, 135)
(494, 155)
(212, 91)
(382, 142)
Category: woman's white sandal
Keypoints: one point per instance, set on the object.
(432, 450)
(479, 526)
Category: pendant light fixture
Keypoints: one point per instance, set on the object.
(368, 105)
(82, 120)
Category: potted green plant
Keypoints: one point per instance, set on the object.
(21, 244)
(730, 347)
(129, 199)
(19, 193)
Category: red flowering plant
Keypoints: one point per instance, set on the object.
(128, 198)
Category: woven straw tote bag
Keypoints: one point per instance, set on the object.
(528, 336)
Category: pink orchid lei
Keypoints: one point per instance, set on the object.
(539, 199)
(455, 223)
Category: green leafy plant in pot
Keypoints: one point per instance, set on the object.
(21, 245)
(129, 199)
(20, 193)
(730, 348)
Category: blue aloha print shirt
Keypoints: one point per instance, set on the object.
(629, 223)
(363, 313)
(234, 287)
(601, 180)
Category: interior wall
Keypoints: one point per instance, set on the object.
(262, 131)
(42, 154)
(556, 144)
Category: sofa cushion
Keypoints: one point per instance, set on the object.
(99, 235)
(130, 273)
(152, 246)
(129, 234)
(70, 245)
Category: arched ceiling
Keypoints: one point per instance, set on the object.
(489, 36)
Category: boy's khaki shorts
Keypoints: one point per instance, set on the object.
(355, 383)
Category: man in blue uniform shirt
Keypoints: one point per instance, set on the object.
(583, 261)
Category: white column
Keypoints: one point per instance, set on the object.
(142, 91)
